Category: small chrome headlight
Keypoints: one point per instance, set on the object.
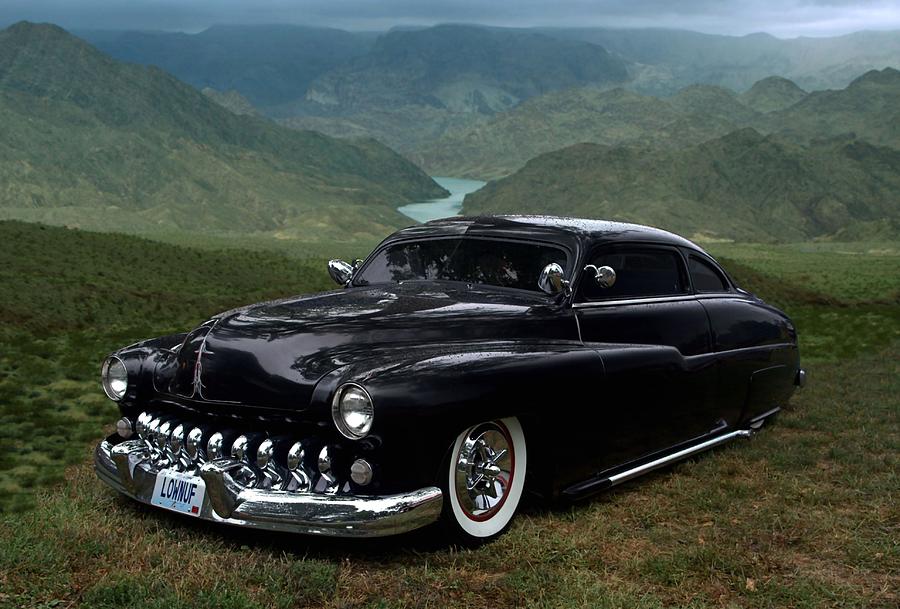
(124, 428)
(114, 378)
(361, 472)
(352, 411)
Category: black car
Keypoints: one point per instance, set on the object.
(464, 361)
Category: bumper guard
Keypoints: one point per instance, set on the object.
(128, 467)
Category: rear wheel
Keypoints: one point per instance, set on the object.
(484, 478)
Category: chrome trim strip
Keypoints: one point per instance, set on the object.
(658, 299)
(128, 468)
(757, 421)
(677, 456)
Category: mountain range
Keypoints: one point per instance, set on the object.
(94, 142)
(568, 125)
(868, 108)
(272, 65)
(463, 69)
(741, 186)
(409, 86)
(666, 60)
(267, 64)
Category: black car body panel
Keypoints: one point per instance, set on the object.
(599, 385)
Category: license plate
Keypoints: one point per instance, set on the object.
(179, 492)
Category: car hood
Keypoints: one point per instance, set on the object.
(272, 354)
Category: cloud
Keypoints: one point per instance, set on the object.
(784, 18)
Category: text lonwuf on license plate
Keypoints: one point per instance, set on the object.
(179, 492)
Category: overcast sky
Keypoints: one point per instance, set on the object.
(783, 18)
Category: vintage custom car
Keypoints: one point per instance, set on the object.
(463, 362)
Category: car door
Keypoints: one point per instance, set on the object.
(654, 339)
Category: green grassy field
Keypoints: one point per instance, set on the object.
(804, 515)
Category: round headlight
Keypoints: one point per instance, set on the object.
(352, 411)
(114, 378)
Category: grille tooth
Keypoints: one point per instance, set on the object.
(169, 437)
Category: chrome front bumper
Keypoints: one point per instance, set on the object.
(128, 468)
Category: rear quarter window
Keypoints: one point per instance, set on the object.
(705, 277)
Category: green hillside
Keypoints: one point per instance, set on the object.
(89, 141)
(709, 102)
(869, 108)
(772, 93)
(416, 85)
(743, 186)
(231, 100)
(463, 69)
(556, 120)
(409, 129)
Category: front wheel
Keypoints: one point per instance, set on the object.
(485, 475)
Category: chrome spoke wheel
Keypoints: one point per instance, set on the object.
(484, 478)
(484, 470)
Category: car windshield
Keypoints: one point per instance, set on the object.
(508, 264)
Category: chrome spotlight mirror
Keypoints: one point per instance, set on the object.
(605, 276)
(552, 280)
(340, 271)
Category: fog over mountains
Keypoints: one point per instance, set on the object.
(278, 64)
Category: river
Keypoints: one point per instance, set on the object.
(423, 211)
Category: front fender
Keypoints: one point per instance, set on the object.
(139, 360)
(425, 396)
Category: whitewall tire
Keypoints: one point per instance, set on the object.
(485, 478)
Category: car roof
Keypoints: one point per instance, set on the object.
(574, 232)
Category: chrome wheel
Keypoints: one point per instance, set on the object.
(484, 477)
(485, 468)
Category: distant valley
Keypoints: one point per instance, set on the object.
(320, 135)
(91, 142)
(409, 87)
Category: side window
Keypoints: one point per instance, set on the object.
(705, 277)
(640, 272)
